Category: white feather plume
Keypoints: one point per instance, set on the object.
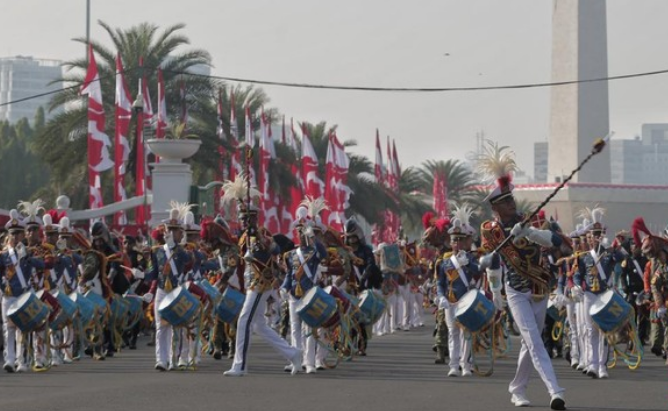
(31, 209)
(597, 214)
(236, 190)
(314, 206)
(496, 161)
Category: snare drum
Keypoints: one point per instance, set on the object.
(85, 307)
(230, 305)
(68, 310)
(340, 296)
(100, 304)
(610, 311)
(119, 308)
(28, 312)
(178, 307)
(372, 306)
(210, 290)
(474, 311)
(51, 302)
(316, 308)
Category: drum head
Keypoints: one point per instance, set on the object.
(169, 298)
(466, 302)
(18, 303)
(601, 302)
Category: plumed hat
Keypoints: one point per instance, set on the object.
(498, 163)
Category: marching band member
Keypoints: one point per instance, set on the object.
(656, 249)
(436, 237)
(168, 263)
(364, 265)
(302, 275)
(457, 274)
(566, 270)
(16, 266)
(527, 282)
(632, 284)
(260, 272)
(66, 266)
(595, 275)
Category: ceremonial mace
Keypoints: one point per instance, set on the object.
(599, 144)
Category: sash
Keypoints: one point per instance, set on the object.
(68, 277)
(459, 268)
(639, 270)
(17, 266)
(172, 264)
(305, 266)
(54, 277)
(597, 261)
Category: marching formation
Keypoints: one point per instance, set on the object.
(321, 298)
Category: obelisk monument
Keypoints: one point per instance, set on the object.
(579, 112)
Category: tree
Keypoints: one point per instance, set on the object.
(62, 143)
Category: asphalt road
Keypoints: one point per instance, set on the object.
(398, 374)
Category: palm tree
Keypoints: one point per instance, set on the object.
(62, 143)
(460, 179)
(413, 201)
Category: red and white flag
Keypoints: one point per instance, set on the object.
(379, 172)
(98, 141)
(122, 146)
(337, 192)
(296, 193)
(313, 185)
(235, 164)
(269, 216)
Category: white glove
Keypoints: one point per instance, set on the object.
(577, 293)
(540, 237)
(494, 277)
(443, 303)
(20, 251)
(661, 312)
(498, 300)
(169, 240)
(520, 230)
(138, 274)
(462, 258)
(148, 297)
(61, 244)
(560, 301)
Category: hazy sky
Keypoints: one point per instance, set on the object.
(383, 43)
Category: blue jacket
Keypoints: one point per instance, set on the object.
(449, 283)
(588, 277)
(11, 283)
(312, 256)
(159, 260)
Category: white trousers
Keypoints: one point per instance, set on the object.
(597, 354)
(580, 313)
(301, 334)
(250, 319)
(418, 300)
(458, 345)
(12, 335)
(163, 333)
(406, 306)
(571, 309)
(529, 315)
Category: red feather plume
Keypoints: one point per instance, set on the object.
(56, 216)
(442, 223)
(637, 227)
(427, 219)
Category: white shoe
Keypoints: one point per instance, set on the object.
(519, 400)
(296, 363)
(160, 366)
(9, 367)
(183, 363)
(574, 363)
(56, 361)
(310, 369)
(466, 372)
(320, 366)
(234, 373)
(581, 367)
(557, 402)
(453, 372)
(592, 373)
(288, 368)
(22, 368)
(603, 372)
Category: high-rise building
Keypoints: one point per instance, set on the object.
(22, 77)
(579, 111)
(642, 160)
(540, 154)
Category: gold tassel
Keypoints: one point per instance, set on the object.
(168, 285)
(298, 291)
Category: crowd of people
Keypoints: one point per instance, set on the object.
(205, 289)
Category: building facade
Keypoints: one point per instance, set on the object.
(22, 77)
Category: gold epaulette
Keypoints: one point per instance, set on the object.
(446, 255)
(48, 247)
